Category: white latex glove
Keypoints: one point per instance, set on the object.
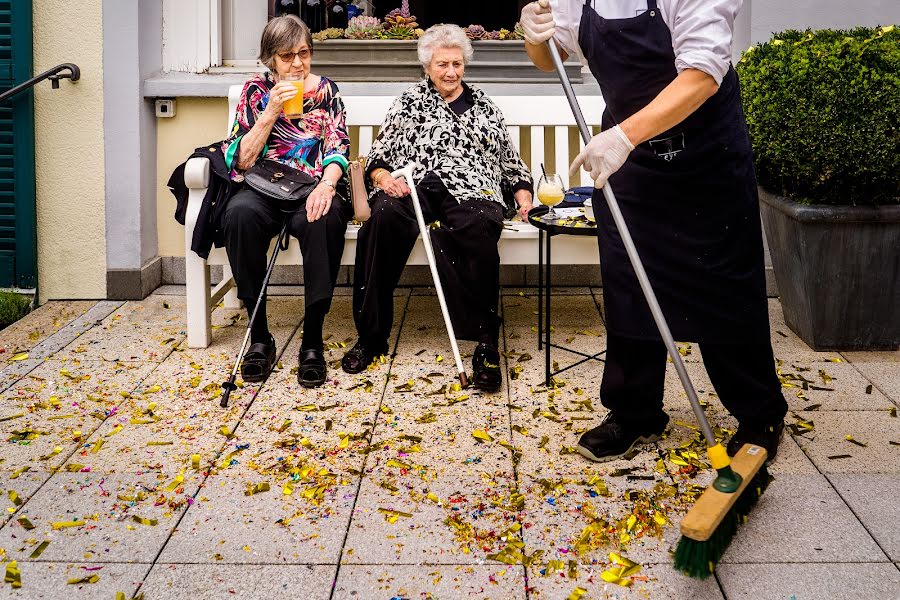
(604, 155)
(538, 23)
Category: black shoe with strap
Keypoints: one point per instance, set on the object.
(311, 372)
(767, 436)
(360, 356)
(613, 438)
(486, 375)
(258, 361)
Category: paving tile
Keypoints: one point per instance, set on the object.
(145, 330)
(22, 487)
(800, 518)
(269, 527)
(62, 403)
(876, 429)
(430, 581)
(108, 506)
(881, 368)
(39, 324)
(168, 581)
(652, 581)
(873, 499)
(833, 386)
(818, 581)
(50, 581)
(473, 511)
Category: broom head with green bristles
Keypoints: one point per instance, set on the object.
(708, 527)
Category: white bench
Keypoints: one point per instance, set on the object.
(518, 242)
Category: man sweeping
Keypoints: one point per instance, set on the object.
(675, 148)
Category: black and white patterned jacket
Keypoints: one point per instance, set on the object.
(471, 152)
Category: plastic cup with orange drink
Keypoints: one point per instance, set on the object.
(293, 108)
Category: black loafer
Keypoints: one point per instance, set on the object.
(767, 436)
(258, 361)
(486, 375)
(359, 357)
(614, 439)
(312, 368)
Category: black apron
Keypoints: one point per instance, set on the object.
(689, 197)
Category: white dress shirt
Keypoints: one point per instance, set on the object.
(702, 30)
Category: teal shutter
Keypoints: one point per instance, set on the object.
(17, 189)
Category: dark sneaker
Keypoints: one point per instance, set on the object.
(767, 436)
(311, 371)
(486, 374)
(613, 439)
(359, 357)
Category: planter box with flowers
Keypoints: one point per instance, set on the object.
(369, 50)
(823, 109)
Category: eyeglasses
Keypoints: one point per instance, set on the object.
(288, 57)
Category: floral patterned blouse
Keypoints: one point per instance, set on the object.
(310, 143)
(471, 153)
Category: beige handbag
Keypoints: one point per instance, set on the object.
(358, 194)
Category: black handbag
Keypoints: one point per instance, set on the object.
(286, 185)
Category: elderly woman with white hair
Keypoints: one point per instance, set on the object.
(464, 158)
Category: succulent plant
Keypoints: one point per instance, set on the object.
(504, 34)
(475, 32)
(492, 35)
(328, 34)
(364, 28)
(400, 33)
(419, 32)
(400, 17)
(518, 33)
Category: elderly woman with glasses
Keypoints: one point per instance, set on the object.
(313, 140)
(463, 159)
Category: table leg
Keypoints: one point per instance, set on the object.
(548, 291)
(540, 326)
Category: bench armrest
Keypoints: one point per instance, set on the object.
(196, 173)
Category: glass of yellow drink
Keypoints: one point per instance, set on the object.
(550, 192)
(293, 108)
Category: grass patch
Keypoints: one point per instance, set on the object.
(13, 307)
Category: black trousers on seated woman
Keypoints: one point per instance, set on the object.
(465, 249)
(251, 221)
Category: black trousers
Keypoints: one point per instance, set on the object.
(465, 249)
(252, 220)
(742, 374)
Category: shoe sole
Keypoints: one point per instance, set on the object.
(644, 439)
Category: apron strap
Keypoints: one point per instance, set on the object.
(651, 4)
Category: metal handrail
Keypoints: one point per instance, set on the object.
(54, 75)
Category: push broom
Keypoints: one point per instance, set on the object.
(708, 527)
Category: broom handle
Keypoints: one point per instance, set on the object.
(407, 172)
(636, 263)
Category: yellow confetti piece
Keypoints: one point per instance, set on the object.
(345, 441)
(19, 356)
(86, 579)
(577, 593)
(259, 488)
(288, 489)
(284, 426)
(398, 464)
(138, 421)
(850, 439)
(438, 359)
(53, 453)
(19, 471)
(433, 497)
(40, 549)
(14, 498)
(195, 462)
(11, 417)
(179, 479)
(13, 575)
(226, 432)
(144, 520)
(115, 430)
(391, 516)
(25, 523)
(97, 445)
(160, 443)
(479, 434)
(66, 524)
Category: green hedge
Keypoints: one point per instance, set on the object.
(12, 308)
(823, 109)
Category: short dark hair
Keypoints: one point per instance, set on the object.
(282, 34)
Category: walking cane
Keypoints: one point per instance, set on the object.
(229, 386)
(407, 173)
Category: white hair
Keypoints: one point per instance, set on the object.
(443, 36)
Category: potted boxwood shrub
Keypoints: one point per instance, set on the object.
(823, 108)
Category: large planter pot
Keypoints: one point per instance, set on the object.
(838, 272)
(396, 60)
